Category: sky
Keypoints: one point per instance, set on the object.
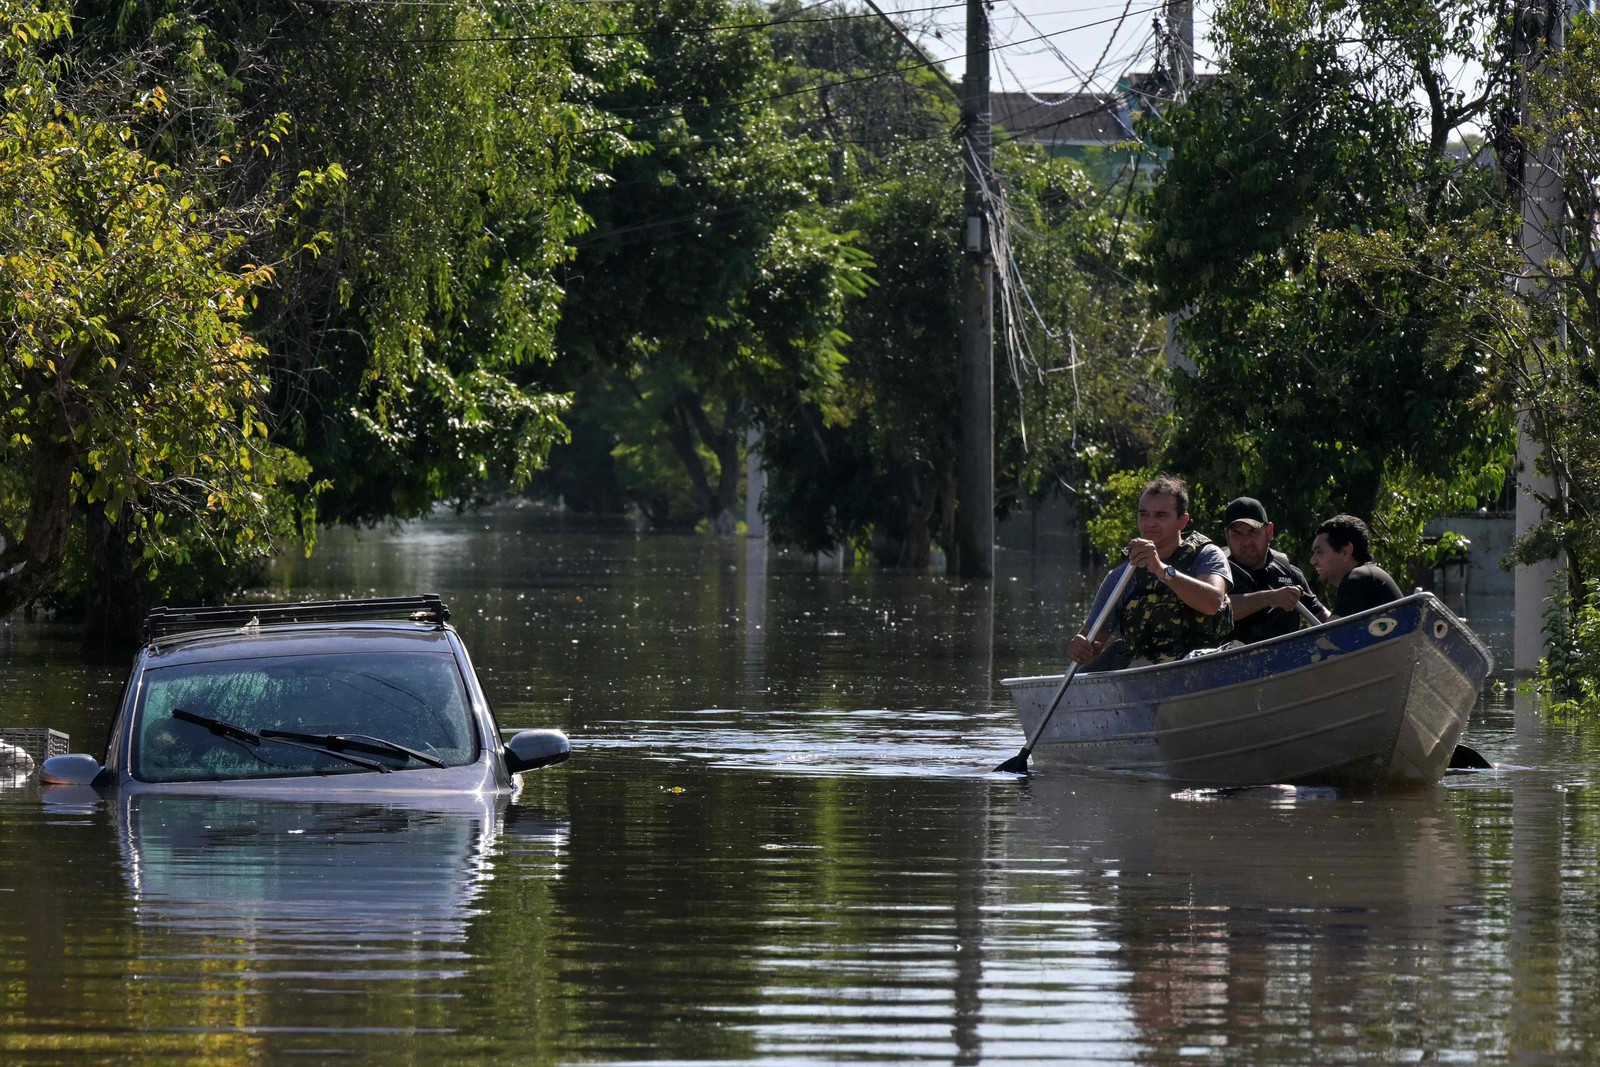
(1050, 45)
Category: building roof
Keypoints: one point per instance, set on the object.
(1079, 120)
(1062, 119)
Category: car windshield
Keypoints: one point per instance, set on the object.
(214, 721)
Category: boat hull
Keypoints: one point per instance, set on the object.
(1375, 699)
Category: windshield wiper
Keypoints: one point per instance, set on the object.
(235, 732)
(359, 742)
(218, 726)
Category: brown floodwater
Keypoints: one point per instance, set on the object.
(778, 842)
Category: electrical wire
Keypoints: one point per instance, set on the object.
(732, 27)
(1088, 77)
(904, 68)
(1017, 304)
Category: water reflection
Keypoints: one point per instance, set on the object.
(776, 843)
(773, 917)
(1225, 920)
(269, 913)
(321, 876)
(755, 609)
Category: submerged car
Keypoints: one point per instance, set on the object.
(374, 695)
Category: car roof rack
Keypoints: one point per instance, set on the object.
(164, 621)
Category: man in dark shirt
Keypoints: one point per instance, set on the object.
(1341, 555)
(1266, 586)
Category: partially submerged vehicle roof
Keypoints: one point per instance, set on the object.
(248, 631)
(297, 639)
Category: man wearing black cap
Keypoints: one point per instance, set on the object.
(1266, 586)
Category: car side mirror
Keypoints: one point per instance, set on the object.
(74, 768)
(528, 750)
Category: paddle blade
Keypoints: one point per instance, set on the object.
(1017, 764)
(1468, 759)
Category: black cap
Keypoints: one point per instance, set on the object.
(1245, 509)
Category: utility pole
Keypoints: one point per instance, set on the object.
(1543, 26)
(974, 532)
(1180, 64)
(755, 482)
(1180, 26)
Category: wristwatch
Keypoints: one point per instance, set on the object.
(1168, 573)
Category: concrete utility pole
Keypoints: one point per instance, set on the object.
(755, 482)
(1180, 26)
(1544, 28)
(1180, 62)
(974, 532)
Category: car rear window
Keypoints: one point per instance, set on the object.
(415, 699)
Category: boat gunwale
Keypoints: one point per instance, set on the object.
(1421, 597)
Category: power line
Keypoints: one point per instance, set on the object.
(1017, 304)
(901, 33)
(1094, 71)
(523, 38)
(737, 27)
(732, 27)
(924, 62)
(825, 85)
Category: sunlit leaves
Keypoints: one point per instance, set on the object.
(1555, 378)
(711, 288)
(1340, 272)
(436, 157)
(130, 381)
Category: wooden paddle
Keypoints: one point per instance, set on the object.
(1018, 764)
(1463, 758)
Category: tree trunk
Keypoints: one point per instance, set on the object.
(917, 551)
(30, 565)
(947, 498)
(717, 502)
(724, 444)
(681, 435)
(116, 601)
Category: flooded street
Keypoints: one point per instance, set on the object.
(777, 841)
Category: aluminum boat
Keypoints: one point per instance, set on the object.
(1375, 699)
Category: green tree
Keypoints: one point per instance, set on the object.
(1085, 391)
(1308, 208)
(859, 87)
(709, 288)
(1554, 370)
(1077, 391)
(881, 460)
(399, 347)
(132, 390)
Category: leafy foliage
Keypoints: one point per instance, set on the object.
(710, 288)
(1079, 389)
(130, 384)
(460, 135)
(1557, 379)
(1310, 225)
(1570, 670)
(399, 340)
(1084, 392)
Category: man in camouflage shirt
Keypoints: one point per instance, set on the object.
(1178, 598)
